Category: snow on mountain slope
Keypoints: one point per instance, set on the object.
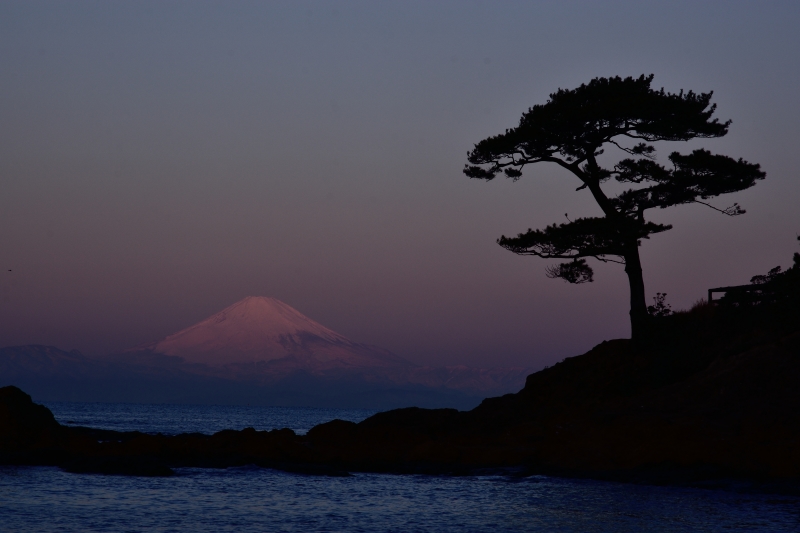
(259, 329)
(264, 340)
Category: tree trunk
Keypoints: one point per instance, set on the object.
(638, 312)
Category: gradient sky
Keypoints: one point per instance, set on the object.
(161, 160)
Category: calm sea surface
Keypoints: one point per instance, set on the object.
(255, 499)
(174, 419)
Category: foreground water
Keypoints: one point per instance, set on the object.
(255, 499)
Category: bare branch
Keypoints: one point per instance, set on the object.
(732, 211)
(640, 149)
(606, 259)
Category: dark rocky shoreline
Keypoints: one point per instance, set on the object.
(711, 400)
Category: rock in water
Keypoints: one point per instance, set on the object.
(24, 424)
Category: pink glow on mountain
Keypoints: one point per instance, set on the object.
(262, 329)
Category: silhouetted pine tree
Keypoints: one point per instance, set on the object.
(572, 129)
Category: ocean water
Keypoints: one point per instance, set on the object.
(251, 499)
(174, 419)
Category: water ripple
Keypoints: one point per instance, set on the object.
(253, 499)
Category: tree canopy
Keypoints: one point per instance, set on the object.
(573, 128)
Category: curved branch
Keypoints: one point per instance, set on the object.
(732, 211)
(607, 260)
(640, 149)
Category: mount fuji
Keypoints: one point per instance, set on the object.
(257, 351)
(262, 330)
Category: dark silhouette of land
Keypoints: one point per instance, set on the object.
(711, 396)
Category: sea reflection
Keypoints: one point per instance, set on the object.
(254, 499)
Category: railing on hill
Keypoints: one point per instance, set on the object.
(734, 288)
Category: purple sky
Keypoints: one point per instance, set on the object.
(160, 161)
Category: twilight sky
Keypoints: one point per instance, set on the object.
(161, 160)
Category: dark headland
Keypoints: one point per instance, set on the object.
(712, 395)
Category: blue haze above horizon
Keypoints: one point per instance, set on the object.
(161, 161)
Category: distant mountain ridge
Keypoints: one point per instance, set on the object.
(258, 350)
(261, 329)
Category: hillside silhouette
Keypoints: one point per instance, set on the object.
(712, 396)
